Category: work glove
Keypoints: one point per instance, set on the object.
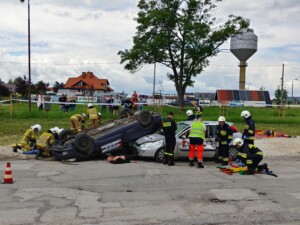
(244, 137)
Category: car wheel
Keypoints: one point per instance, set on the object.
(159, 155)
(232, 152)
(125, 113)
(64, 134)
(84, 146)
(145, 118)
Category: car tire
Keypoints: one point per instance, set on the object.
(84, 146)
(159, 155)
(125, 113)
(64, 134)
(145, 118)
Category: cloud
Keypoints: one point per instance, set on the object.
(69, 37)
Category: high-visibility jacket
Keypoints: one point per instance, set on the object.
(197, 130)
(45, 140)
(92, 112)
(29, 135)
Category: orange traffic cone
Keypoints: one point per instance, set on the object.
(8, 175)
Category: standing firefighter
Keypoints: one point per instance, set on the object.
(249, 129)
(198, 110)
(45, 141)
(197, 136)
(169, 128)
(28, 139)
(250, 155)
(92, 114)
(225, 136)
(77, 122)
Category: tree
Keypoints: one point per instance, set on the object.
(4, 91)
(41, 87)
(277, 98)
(181, 35)
(21, 85)
(57, 85)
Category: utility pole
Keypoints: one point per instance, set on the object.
(154, 80)
(281, 110)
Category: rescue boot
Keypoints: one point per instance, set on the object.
(224, 163)
(263, 167)
(166, 160)
(191, 163)
(171, 161)
(200, 165)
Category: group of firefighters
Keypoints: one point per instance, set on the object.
(40, 146)
(247, 153)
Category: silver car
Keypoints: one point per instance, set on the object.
(153, 145)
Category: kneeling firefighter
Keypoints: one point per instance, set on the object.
(45, 141)
(250, 155)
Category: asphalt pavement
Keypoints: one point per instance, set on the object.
(96, 192)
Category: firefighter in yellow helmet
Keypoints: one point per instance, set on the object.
(45, 141)
(77, 122)
(92, 114)
(28, 138)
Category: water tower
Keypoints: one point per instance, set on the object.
(243, 46)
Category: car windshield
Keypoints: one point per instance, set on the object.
(181, 127)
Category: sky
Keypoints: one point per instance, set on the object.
(75, 36)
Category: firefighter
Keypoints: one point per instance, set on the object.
(198, 110)
(45, 141)
(250, 155)
(92, 115)
(169, 128)
(28, 139)
(225, 136)
(76, 120)
(190, 115)
(197, 136)
(249, 129)
(128, 103)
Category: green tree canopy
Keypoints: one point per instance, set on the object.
(4, 91)
(280, 94)
(180, 34)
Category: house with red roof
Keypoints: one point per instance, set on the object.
(87, 84)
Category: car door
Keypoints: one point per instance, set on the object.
(182, 144)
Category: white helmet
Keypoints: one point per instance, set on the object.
(90, 105)
(128, 96)
(60, 130)
(36, 127)
(221, 119)
(99, 114)
(189, 112)
(54, 130)
(84, 115)
(238, 141)
(245, 114)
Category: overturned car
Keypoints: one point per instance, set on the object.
(107, 137)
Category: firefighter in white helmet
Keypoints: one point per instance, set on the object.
(128, 103)
(250, 155)
(92, 115)
(28, 139)
(249, 128)
(224, 136)
(190, 115)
